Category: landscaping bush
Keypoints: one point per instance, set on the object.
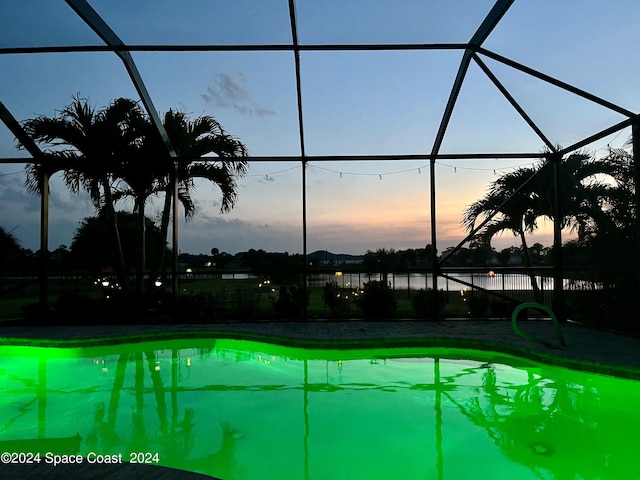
(335, 299)
(116, 307)
(428, 304)
(377, 300)
(291, 302)
(501, 308)
(200, 306)
(244, 302)
(477, 303)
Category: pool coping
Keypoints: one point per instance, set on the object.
(587, 350)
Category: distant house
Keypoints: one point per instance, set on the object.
(323, 258)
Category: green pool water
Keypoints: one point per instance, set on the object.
(236, 409)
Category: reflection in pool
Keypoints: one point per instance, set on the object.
(245, 410)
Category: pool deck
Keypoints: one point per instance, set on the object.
(586, 349)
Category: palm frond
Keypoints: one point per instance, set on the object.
(221, 178)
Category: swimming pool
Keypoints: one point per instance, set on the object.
(237, 409)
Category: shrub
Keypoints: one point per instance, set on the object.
(502, 308)
(477, 303)
(291, 301)
(428, 304)
(377, 300)
(335, 299)
(116, 307)
(199, 305)
(244, 302)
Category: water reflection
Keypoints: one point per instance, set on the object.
(244, 410)
(558, 428)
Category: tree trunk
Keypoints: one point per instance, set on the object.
(141, 244)
(158, 264)
(111, 218)
(527, 259)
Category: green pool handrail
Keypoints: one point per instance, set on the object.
(544, 308)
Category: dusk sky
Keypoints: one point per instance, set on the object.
(354, 103)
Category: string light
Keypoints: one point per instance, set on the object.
(341, 174)
(271, 174)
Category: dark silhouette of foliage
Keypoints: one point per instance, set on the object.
(335, 299)
(13, 258)
(201, 306)
(244, 302)
(377, 300)
(383, 261)
(477, 302)
(428, 304)
(90, 147)
(516, 200)
(278, 267)
(502, 308)
(192, 140)
(118, 144)
(92, 250)
(291, 302)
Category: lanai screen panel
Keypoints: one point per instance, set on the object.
(374, 80)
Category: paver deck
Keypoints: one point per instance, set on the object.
(586, 349)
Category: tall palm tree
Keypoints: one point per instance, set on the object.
(620, 204)
(192, 140)
(584, 189)
(516, 200)
(143, 166)
(89, 146)
(508, 206)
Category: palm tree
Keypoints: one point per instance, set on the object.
(620, 202)
(150, 170)
(508, 206)
(193, 140)
(516, 200)
(89, 146)
(611, 239)
(585, 188)
(144, 165)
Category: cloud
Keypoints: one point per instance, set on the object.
(234, 235)
(228, 92)
(20, 212)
